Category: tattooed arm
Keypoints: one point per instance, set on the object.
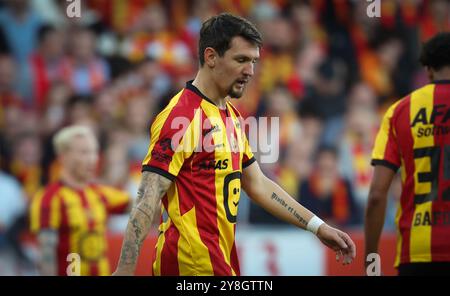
(48, 239)
(276, 201)
(151, 190)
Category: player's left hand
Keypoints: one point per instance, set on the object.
(339, 241)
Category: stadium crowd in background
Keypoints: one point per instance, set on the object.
(327, 70)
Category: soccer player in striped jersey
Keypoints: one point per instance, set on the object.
(197, 160)
(70, 216)
(414, 136)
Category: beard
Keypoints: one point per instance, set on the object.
(236, 92)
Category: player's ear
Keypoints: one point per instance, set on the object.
(210, 56)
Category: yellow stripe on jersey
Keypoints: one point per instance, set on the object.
(159, 246)
(420, 237)
(35, 211)
(55, 213)
(420, 243)
(191, 250)
(98, 214)
(97, 209)
(77, 220)
(244, 146)
(226, 228)
(233, 200)
(187, 144)
(191, 240)
(239, 135)
(403, 172)
(103, 267)
(422, 99)
(158, 123)
(383, 134)
(247, 149)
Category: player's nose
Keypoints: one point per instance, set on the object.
(249, 70)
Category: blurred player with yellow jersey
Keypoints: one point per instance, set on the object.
(415, 137)
(70, 216)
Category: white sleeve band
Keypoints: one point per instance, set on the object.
(314, 224)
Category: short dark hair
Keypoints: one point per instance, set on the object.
(217, 32)
(436, 52)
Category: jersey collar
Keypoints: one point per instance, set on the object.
(193, 88)
(444, 81)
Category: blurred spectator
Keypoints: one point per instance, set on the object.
(20, 25)
(80, 109)
(436, 18)
(305, 21)
(378, 66)
(54, 115)
(118, 15)
(46, 64)
(300, 153)
(329, 90)
(84, 70)
(356, 142)
(276, 57)
(12, 208)
(50, 11)
(116, 162)
(280, 104)
(153, 38)
(200, 11)
(308, 59)
(139, 109)
(54, 12)
(14, 119)
(26, 162)
(8, 96)
(118, 173)
(327, 193)
(152, 78)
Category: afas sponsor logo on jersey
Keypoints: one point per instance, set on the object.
(221, 164)
(439, 118)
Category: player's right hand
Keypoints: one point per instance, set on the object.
(339, 241)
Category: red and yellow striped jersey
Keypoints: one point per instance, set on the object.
(203, 149)
(80, 219)
(415, 136)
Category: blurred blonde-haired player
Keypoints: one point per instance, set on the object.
(70, 215)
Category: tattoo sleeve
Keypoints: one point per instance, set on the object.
(151, 190)
(48, 239)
